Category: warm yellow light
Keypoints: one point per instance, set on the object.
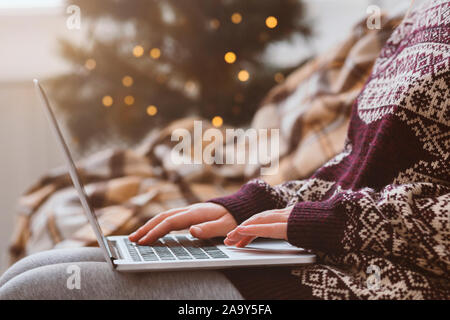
(90, 64)
(230, 57)
(127, 81)
(271, 22)
(138, 51)
(243, 75)
(279, 77)
(217, 121)
(107, 101)
(214, 24)
(236, 18)
(129, 100)
(155, 53)
(152, 110)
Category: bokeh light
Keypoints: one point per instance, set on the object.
(230, 57)
(243, 75)
(271, 22)
(155, 53)
(152, 110)
(214, 24)
(129, 100)
(107, 101)
(127, 81)
(138, 51)
(217, 121)
(236, 18)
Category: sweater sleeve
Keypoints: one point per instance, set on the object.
(257, 196)
(410, 222)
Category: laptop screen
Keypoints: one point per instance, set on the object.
(90, 214)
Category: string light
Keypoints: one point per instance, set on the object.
(155, 53)
(217, 121)
(278, 77)
(152, 110)
(107, 101)
(214, 24)
(127, 81)
(90, 64)
(243, 75)
(236, 18)
(129, 100)
(138, 51)
(271, 22)
(230, 57)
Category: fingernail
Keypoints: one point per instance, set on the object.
(196, 230)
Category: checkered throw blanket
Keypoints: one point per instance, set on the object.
(127, 187)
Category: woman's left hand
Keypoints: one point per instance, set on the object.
(267, 224)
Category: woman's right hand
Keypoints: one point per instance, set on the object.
(204, 220)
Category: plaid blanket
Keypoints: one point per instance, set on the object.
(127, 187)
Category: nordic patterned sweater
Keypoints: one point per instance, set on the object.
(378, 214)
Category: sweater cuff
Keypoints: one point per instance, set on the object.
(247, 201)
(317, 226)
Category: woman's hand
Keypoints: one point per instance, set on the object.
(206, 220)
(267, 224)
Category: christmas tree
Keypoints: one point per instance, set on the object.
(147, 62)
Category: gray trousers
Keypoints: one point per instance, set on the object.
(82, 273)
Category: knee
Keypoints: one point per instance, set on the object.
(45, 282)
(30, 262)
(50, 257)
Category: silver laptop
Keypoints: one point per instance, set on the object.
(175, 251)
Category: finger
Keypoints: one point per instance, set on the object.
(271, 230)
(235, 239)
(245, 241)
(139, 233)
(261, 218)
(270, 216)
(216, 228)
(241, 242)
(178, 221)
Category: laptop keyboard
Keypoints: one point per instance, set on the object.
(175, 248)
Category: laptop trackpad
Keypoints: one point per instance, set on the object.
(269, 246)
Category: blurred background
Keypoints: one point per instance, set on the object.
(116, 70)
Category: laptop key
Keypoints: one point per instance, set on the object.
(210, 249)
(162, 251)
(147, 253)
(190, 246)
(177, 249)
(132, 251)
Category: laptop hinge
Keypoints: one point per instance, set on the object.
(115, 252)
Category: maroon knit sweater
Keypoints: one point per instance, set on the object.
(384, 202)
